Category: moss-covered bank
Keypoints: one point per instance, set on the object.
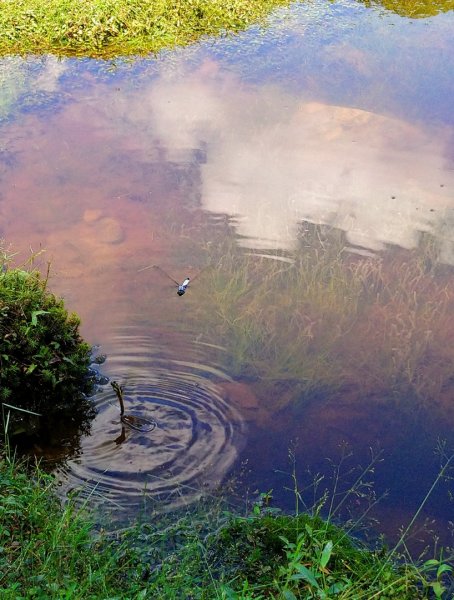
(115, 27)
(44, 363)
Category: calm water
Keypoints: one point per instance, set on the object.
(335, 114)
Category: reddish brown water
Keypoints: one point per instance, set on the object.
(157, 162)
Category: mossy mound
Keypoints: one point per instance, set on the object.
(305, 557)
(43, 359)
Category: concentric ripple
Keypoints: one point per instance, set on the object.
(196, 439)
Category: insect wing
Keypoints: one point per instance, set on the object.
(166, 274)
(198, 274)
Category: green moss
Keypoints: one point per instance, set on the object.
(307, 557)
(43, 360)
(111, 27)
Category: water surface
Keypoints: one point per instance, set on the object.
(336, 114)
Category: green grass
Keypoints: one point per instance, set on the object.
(105, 28)
(47, 551)
(305, 557)
(53, 552)
(116, 27)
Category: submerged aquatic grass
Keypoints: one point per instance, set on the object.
(329, 319)
(114, 27)
(401, 340)
(281, 320)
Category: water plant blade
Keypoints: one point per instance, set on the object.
(30, 412)
(306, 574)
(288, 595)
(326, 554)
(443, 569)
(35, 315)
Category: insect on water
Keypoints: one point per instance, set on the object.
(181, 287)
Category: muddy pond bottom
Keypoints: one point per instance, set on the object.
(195, 441)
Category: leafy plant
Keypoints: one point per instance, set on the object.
(439, 569)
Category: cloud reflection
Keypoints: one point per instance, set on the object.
(274, 160)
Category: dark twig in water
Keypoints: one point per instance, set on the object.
(139, 423)
(118, 389)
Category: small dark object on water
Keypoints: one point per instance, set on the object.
(181, 287)
(139, 423)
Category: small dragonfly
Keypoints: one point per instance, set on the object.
(181, 287)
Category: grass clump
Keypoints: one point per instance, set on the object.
(50, 552)
(112, 27)
(43, 360)
(400, 341)
(316, 553)
(303, 556)
(281, 320)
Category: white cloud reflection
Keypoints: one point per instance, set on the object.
(20, 78)
(274, 160)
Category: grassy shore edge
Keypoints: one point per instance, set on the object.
(53, 551)
(106, 28)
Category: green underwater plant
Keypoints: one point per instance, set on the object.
(322, 318)
(277, 316)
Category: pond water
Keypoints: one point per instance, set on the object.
(335, 115)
